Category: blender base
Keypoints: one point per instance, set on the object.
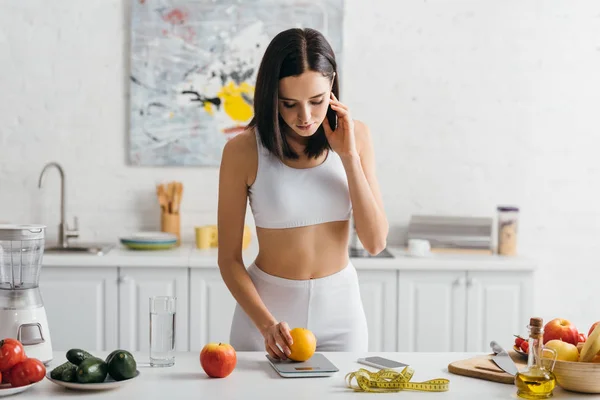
(30, 327)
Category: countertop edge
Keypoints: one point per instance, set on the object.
(187, 256)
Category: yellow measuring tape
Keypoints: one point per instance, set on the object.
(388, 380)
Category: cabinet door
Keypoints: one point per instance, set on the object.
(211, 306)
(499, 305)
(378, 294)
(136, 286)
(431, 311)
(81, 306)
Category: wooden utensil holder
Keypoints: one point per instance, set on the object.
(171, 223)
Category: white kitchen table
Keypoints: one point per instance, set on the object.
(253, 378)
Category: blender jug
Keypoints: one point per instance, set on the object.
(22, 312)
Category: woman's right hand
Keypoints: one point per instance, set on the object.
(278, 338)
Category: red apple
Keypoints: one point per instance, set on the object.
(592, 328)
(561, 329)
(218, 359)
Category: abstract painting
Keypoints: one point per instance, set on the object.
(194, 66)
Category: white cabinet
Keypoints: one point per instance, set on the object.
(499, 305)
(378, 294)
(136, 286)
(82, 307)
(461, 310)
(211, 308)
(431, 311)
(422, 308)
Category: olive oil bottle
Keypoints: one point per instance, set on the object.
(536, 381)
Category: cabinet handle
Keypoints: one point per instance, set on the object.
(459, 281)
(471, 282)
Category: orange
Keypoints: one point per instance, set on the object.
(304, 346)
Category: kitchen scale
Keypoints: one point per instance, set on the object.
(22, 312)
(317, 366)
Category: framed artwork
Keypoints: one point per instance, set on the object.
(194, 66)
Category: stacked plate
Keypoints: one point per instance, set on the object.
(150, 241)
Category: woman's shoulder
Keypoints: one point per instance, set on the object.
(241, 151)
(243, 143)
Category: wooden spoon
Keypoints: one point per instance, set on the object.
(162, 200)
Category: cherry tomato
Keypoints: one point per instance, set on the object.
(525, 346)
(5, 377)
(26, 372)
(518, 341)
(11, 353)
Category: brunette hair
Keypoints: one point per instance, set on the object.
(290, 53)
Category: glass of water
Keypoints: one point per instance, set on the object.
(162, 331)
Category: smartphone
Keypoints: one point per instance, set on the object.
(381, 363)
(331, 118)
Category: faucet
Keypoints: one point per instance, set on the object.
(63, 230)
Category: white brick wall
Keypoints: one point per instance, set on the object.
(471, 103)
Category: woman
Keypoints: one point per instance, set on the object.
(304, 175)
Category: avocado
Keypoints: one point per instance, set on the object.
(69, 374)
(92, 370)
(76, 356)
(58, 372)
(121, 365)
(111, 355)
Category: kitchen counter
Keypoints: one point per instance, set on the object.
(188, 256)
(254, 378)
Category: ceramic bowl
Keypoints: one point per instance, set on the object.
(520, 352)
(583, 377)
(7, 390)
(108, 384)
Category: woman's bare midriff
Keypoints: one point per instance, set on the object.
(307, 252)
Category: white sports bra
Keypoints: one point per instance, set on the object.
(286, 197)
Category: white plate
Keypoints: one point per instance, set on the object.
(150, 237)
(109, 383)
(7, 390)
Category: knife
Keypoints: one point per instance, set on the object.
(502, 359)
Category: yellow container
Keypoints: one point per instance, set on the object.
(171, 223)
(247, 238)
(206, 236)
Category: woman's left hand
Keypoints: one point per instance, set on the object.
(341, 139)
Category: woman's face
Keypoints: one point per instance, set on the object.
(303, 101)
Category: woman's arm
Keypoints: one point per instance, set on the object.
(352, 141)
(233, 189)
(369, 215)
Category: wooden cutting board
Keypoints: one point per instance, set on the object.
(482, 367)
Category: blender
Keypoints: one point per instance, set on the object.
(22, 312)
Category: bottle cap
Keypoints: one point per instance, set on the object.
(507, 208)
(536, 322)
(536, 326)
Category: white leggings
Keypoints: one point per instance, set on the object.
(330, 307)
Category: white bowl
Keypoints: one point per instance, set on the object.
(108, 384)
(7, 390)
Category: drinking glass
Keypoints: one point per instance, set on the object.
(162, 331)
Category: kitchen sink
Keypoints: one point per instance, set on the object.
(362, 253)
(97, 249)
